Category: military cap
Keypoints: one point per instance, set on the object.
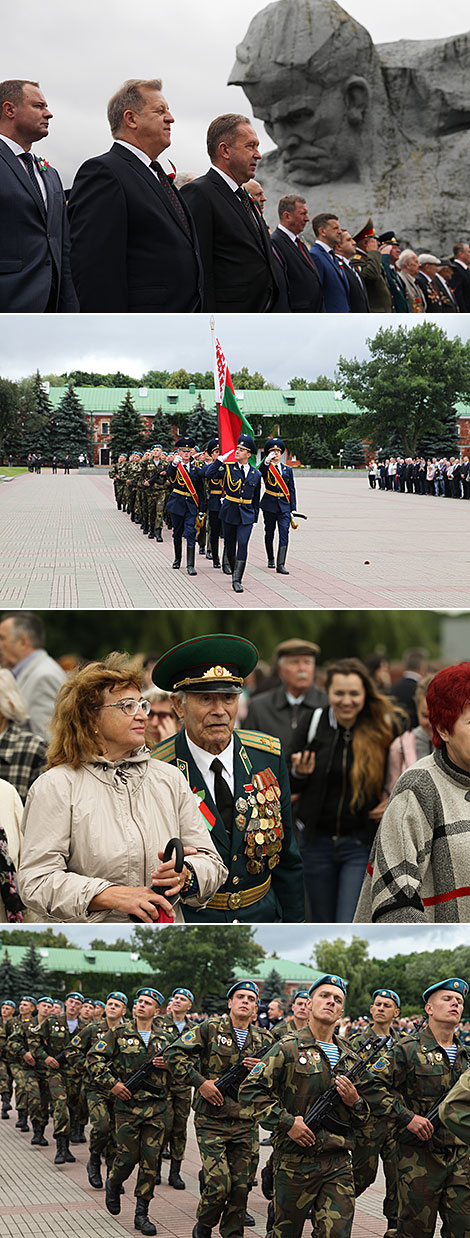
(157, 446)
(206, 664)
(137, 453)
(423, 259)
(212, 444)
(79, 996)
(365, 233)
(454, 984)
(245, 440)
(49, 1000)
(100, 1003)
(274, 442)
(184, 992)
(249, 985)
(27, 998)
(388, 238)
(296, 647)
(59, 1002)
(8, 1002)
(157, 997)
(185, 443)
(300, 993)
(387, 993)
(336, 980)
(120, 997)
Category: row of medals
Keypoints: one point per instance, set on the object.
(264, 829)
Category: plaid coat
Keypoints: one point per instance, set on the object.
(22, 757)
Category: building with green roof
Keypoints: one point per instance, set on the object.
(90, 971)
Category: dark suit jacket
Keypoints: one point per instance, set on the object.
(130, 251)
(460, 285)
(403, 691)
(334, 283)
(34, 245)
(237, 487)
(358, 298)
(239, 275)
(305, 289)
(271, 711)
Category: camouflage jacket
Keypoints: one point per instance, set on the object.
(16, 1044)
(285, 1027)
(83, 1040)
(119, 1053)
(360, 1040)
(412, 1076)
(53, 1036)
(455, 1109)
(5, 1029)
(293, 1074)
(207, 1051)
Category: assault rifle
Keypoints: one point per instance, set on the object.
(322, 1112)
(138, 1079)
(229, 1083)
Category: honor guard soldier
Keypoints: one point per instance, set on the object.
(414, 1075)
(186, 501)
(226, 1142)
(178, 1101)
(377, 1137)
(278, 502)
(100, 1107)
(64, 1081)
(240, 780)
(140, 1113)
(214, 502)
(312, 1172)
(7, 1012)
(241, 486)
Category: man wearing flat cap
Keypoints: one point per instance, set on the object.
(433, 1168)
(185, 502)
(287, 711)
(278, 502)
(436, 300)
(241, 485)
(240, 780)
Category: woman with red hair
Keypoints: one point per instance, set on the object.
(419, 867)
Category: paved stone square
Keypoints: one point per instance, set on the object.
(63, 544)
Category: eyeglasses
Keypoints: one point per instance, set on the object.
(129, 707)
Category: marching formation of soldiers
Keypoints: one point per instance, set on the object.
(333, 1104)
(204, 498)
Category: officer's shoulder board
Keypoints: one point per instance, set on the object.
(166, 751)
(257, 739)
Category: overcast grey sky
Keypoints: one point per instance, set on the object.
(280, 347)
(82, 52)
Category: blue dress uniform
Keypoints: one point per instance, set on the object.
(186, 499)
(239, 511)
(214, 500)
(278, 502)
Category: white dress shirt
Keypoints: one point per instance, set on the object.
(19, 151)
(204, 759)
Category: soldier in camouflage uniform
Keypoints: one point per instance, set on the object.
(179, 1094)
(312, 1173)
(140, 1117)
(26, 1012)
(63, 1078)
(433, 1167)
(455, 1109)
(377, 1138)
(296, 1021)
(202, 1054)
(23, 1044)
(7, 1012)
(116, 473)
(157, 492)
(100, 1106)
(132, 479)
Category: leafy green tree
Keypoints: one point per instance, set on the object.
(28, 937)
(180, 379)
(31, 972)
(316, 452)
(273, 986)
(72, 435)
(202, 423)
(201, 960)
(10, 418)
(244, 381)
(155, 378)
(354, 453)
(9, 980)
(415, 375)
(322, 383)
(127, 432)
(350, 961)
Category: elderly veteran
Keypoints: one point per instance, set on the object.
(239, 779)
(97, 822)
(418, 866)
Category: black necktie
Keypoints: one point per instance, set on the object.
(244, 198)
(167, 186)
(223, 795)
(28, 160)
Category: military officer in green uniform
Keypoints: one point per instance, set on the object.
(377, 1137)
(7, 1012)
(240, 779)
(117, 475)
(297, 1020)
(312, 1172)
(433, 1167)
(100, 1107)
(23, 1044)
(454, 1112)
(55, 1034)
(19, 1070)
(156, 477)
(202, 1055)
(140, 1115)
(179, 1093)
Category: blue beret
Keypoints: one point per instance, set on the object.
(156, 445)
(336, 980)
(100, 1003)
(27, 998)
(387, 993)
(300, 993)
(245, 440)
(157, 997)
(78, 996)
(185, 992)
(49, 1000)
(120, 997)
(453, 983)
(8, 1002)
(244, 984)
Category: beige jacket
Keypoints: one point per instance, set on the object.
(11, 810)
(103, 825)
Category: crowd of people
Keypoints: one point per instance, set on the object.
(336, 1094)
(260, 793)
(439, 478)
(132, 238)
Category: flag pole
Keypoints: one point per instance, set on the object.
(216, 382)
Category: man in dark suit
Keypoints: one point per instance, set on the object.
(134, 247)
(305, 290)
(415, 665)
(35, 272)
(239, 270)
(358, 299)
(334, 280)
(460, 278)
(286, 711)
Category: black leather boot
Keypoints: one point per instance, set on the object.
(151, 535)
(215, 552)
(281, 558)
(174, 1176)
(248, 1220)
(158, 535)
(141, 1220)
(94, 1171)
(5, 1106)
(69, 1157)
(158, 1174)
(60, 1156)
(190, 568)
(38, 1137)
(201, 1231)
(113, 1197)
(75, 1133)
(227, 566)
(177, 559)
(22, 1123)
(269, 551)
(237, 577)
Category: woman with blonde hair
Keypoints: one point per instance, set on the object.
(339, 780)
(96, 823)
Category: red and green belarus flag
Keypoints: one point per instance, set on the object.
(230, 419)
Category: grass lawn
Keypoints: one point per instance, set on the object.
(7, 472)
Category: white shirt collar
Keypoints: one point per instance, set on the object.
(329, 248)
(14, 146)
(294, 700)
(228, 179)
(135, 151)
(204, 759)
(292, 235)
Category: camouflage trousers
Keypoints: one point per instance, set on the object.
(432, 1181)
(65, 1097)
(322, 1188)
(365, 1165)
(103, 1125)
(227, 1161)
(140, 1133)
(6, 1079)
(156, 508)
(20, 1075)
(38, 1097)
(178, 1104)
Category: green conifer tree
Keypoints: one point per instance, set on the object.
(127, 433)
